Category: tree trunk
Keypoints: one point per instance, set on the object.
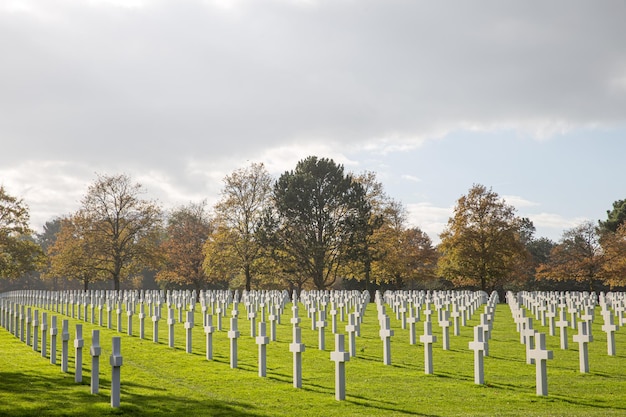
(368, 270)
(248, 277)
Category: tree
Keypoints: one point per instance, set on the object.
(18, 252)
(45, 241)
(614, 266)
(481, 245)
(615, 217)
(239, 213)
(540, 250)
(578, 257)
(220, 261)
(409, 258)
(70, 255)
(362, 248)
(316, 208)
(122, 229)
(188, 228)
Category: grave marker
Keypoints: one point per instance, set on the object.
(262, 340)
(129, 315)
(233, 334)
(273, 318)
(78, 354)
(252, 318)
(551, 314)
(95, 352)
(351, 330)
(444, 323)
(540, 355)
(36, 331)
(155, 328)
(478, 346)
(529, 337)
(53, 340)
(116, 364)
(44, 334)
(297, 347)
(562, 324)
(321, 326)
(609, 327)
(385, 334)
(28, 326)
(118, 315)
(456, 315)
(188, 331)
(65, 337)
(142, 318)
(583, 338)
(428, 339)
(411, 320)
(209, 329)
(170, 325)
(340, 357)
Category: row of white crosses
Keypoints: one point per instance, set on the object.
(458, 305)
(535, 343)
(579, 308)
(482, 335)
(69, 302)
(451, 308)
(18, 320)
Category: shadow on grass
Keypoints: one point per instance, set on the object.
(390, 409)
(368, 402)
(30, 394)
(579, 402)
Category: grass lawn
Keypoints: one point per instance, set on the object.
(159, 380)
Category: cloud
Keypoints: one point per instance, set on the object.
(179, 94)
(50, 189)
(411, 178)
(555, 221)
(517, 201)
(186, 76)
(430, 219)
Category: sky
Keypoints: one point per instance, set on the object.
(527, 98)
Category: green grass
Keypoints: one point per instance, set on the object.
(158, 380)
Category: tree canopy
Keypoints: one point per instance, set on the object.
(239, 215)
(18, 251)
(122, 228)
(481, 245)
(70, 255)
(317, 206)
(578, 257)
(187, 230)
(614, 265)
(615, 217)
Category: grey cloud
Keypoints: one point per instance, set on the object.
(183, 77)
(168, 82)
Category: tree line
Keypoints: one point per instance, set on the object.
(316, 226)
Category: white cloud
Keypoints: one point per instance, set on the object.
(411, 178)
(555, 221)
(49, 188)
(518, 202)
(430, 219)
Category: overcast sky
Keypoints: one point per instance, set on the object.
(526, 97)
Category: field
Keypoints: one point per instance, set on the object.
(158, 380)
